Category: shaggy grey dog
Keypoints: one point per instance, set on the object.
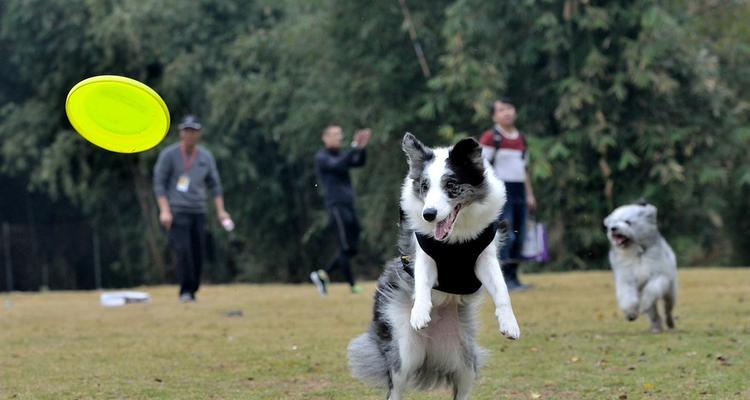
(424, 322)
(644, 265)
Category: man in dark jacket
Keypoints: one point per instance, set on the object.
(332, 166)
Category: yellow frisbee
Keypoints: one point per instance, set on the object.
(117, 113)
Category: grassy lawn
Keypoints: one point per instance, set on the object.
(291, 344)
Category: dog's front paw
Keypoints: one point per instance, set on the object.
(509, 326)
(420, 317)
(630, 311)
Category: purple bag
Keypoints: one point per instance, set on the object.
(535, 242)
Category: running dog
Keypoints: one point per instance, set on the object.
(424, 324)
(644, 265)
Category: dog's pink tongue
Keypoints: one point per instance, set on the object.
(441, 229)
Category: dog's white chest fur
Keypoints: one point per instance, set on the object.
(633, 266)
(638, 265)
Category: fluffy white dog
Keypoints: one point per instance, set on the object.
(644, 265)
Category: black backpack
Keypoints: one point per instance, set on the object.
(497, 140)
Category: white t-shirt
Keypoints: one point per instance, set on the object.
(509, 161)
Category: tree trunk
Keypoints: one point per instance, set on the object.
(150, 221)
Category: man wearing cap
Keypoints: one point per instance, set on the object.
(183, 175)
(506, 150)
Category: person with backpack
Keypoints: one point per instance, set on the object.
(505, 148)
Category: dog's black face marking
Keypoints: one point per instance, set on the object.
(464, 178)
(465, 160)
(462, 192)
(452, 187)
(417, 155)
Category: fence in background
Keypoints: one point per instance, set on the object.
(73, 256)
(59, 256)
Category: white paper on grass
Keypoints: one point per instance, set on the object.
(116, 299)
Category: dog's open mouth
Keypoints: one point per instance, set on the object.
(620, 240)
(443, 228)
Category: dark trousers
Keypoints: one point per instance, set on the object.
(514, 214)
(345, 223)
(187, 237)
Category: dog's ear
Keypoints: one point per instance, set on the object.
(649, 212)
(417, 154)
(466, 161)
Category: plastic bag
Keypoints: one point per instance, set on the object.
(535, 242)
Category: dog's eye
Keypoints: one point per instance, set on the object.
(452, 188)
(424, 186)
(627, 221)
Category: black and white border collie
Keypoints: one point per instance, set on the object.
(422, 333)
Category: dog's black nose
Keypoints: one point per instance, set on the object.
(613, 229)
(429, 214)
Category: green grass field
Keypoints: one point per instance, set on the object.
(291, 344)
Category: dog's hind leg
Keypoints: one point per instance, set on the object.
(412, 354)
(653, 314)
(463, 381)
(652, 292)
(398, 386)
(669, 300)
(399, 382)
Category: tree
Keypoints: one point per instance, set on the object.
(616, 97)
(620, 100)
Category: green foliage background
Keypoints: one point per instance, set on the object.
(619, 100)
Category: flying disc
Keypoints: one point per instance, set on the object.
(117, 113)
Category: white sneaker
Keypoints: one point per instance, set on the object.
(315, 278)
(186, 298)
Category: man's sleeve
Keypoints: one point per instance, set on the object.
(329, 163)
(162, 171)
(357, 157)
(213, 182)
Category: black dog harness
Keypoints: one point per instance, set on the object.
(455, 261)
